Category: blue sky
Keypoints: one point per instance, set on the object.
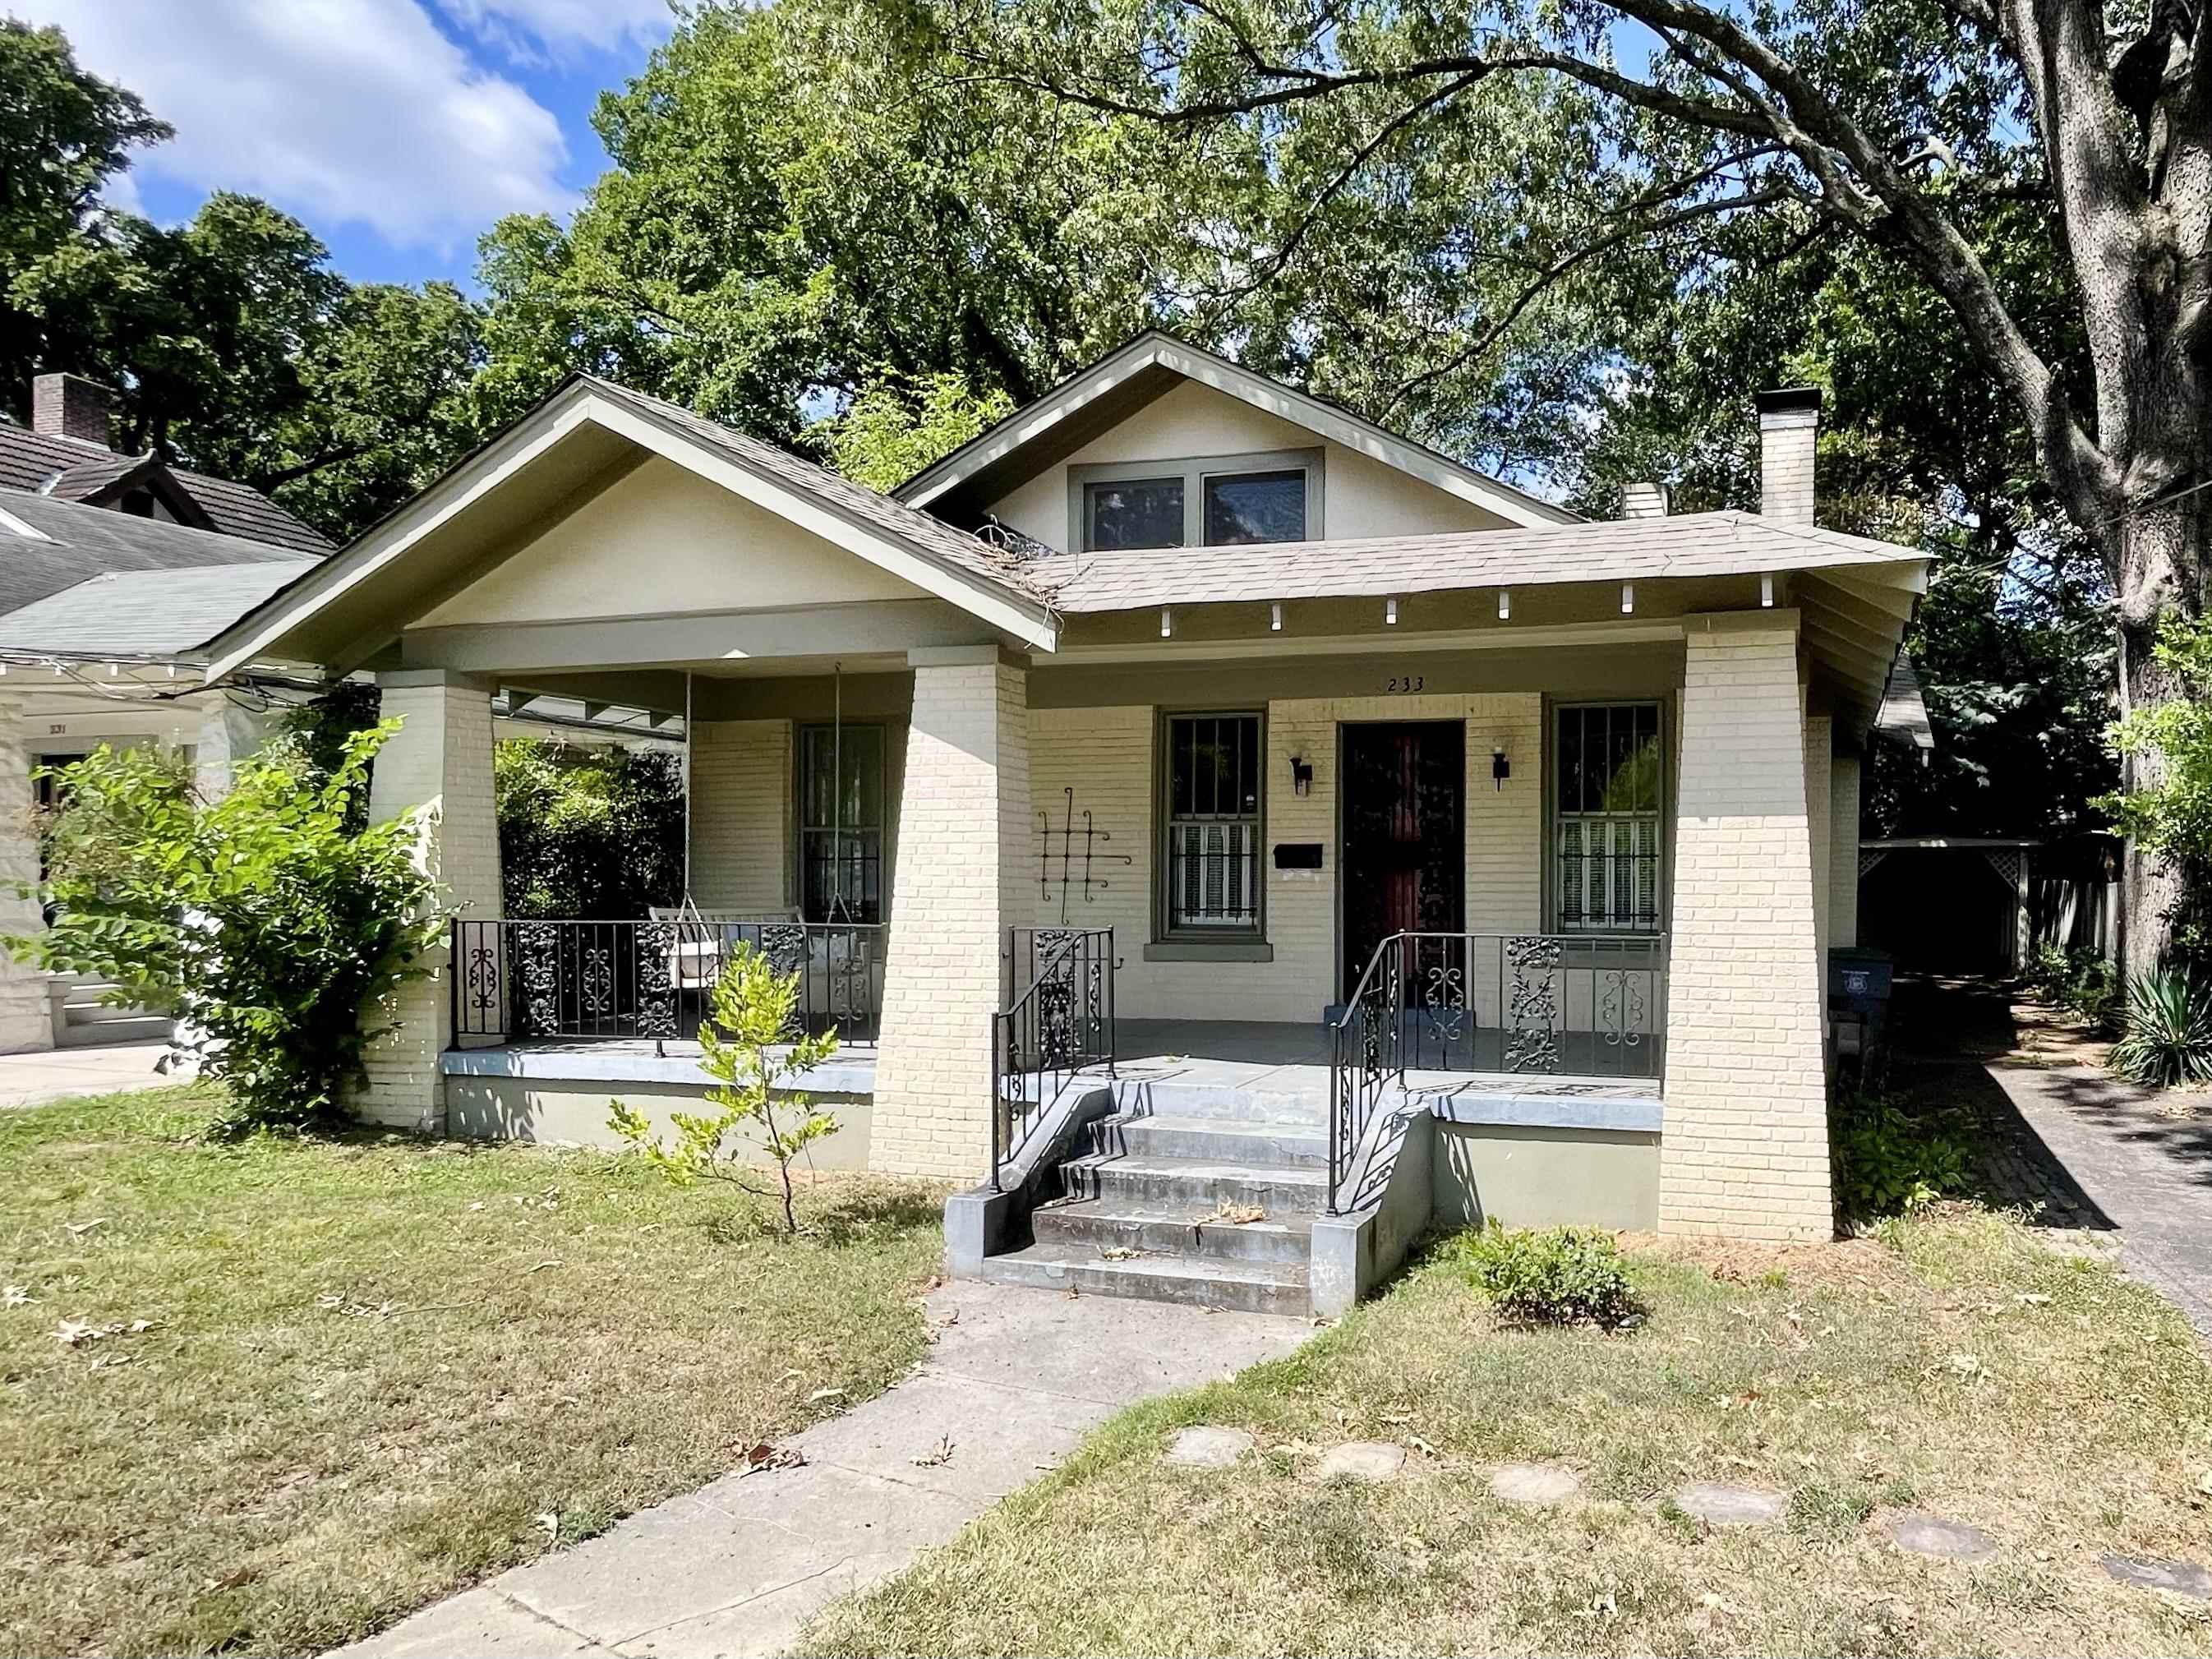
(398, 129)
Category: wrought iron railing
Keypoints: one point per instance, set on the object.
(1057, 1021)
(1583, 1005)
(609, 981)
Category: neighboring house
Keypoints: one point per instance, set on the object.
(67, 453)
(1459, 856)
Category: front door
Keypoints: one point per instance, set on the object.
(1403, 861)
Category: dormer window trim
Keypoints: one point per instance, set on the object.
(1195, 473)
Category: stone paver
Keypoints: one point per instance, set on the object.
(1542, 1483)
(1368, 1462)
(1207, 1448)
(1931, 1534)
(1732, 1506)
(57, 1073)
(2179, 1578)
(2143, 1160)
(1017, 1377)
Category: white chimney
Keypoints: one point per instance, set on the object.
(1643, 500)
(70, 406)
(1789, 430)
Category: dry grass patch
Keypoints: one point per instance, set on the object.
(1955, 1365)
(370, 1370)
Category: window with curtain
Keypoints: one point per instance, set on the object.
(1609, 761)
(1211, 866)
(840, 823)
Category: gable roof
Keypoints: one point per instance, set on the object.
(1127, 378)
(142, 613)
(47, 546)
(71, 469)
(362, 591)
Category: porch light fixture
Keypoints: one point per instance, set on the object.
(1766, 591)
(1390, 612)
(1500, 767)
(1166, 622)
(1300, 775)
(1628, 598)
(1505, 605)
(1275, 618)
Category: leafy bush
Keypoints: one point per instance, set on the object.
(2080, 980)
(1890, 1160)
(2172, 814)
(266, 922)
(1560, 1276)
(588, 832)
(2167, 1038)
(754, 1011)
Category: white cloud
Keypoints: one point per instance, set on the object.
(538, 31)
(337, 110)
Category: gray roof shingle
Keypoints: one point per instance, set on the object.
(1693, 545)
(143, 613)
(69, 469)
(83, 542)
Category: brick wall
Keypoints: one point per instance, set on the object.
(1106, 754)
(440, 759)
(965, 866)
(1746, 1148)
(26, 1021)
(1819, 821)
(741, 815)
(1843, 851)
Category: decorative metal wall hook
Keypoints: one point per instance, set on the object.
(1068, 852)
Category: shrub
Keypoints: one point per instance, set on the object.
(1890, 1160)
(753, 1012)
(2167, 1038)
(266, 922)
(1560, 1276)
(2082, 982)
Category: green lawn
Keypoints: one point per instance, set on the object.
(1957, 1365)
(341, 1378)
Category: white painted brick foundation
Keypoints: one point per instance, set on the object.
(966, 868)
(1746, 1149)
(441, 758)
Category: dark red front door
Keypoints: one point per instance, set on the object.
(1404, 858)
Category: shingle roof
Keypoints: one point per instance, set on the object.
(70, 468)
(928, 535)
(143, 613)
(1691, 544)
(83, 542)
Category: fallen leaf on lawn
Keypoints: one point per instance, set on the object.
(14, 1296)
(940, 1453)
(548, 1521)
(539, 1267)
(2031, 1299)
(478, 1205)
(821, 1395)
(762, 1456)
(72, 1331)
(236, 1579)
(137, 1327)
(79, 1229)
(1965, 1364)
(108, 1362)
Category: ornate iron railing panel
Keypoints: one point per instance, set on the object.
(1059, 1020)
(1575, 1005)
(612, 981)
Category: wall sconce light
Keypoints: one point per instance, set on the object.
(1505, 605)
(1627, 599)
(1390, 612)
(1166, 622)
(1500, 767)
(1766, 591)
(1275, 618)
(1300, 775)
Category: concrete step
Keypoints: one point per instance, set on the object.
(1233, 1140)
(1130, 1181)
(89, 1011)
(1178, 1094)
(1275, 1287)
(1196, 1233)
(137, 1028)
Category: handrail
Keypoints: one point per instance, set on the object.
(1061, 1023)
(1580, 1005)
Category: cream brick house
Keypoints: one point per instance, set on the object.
(1186, 793)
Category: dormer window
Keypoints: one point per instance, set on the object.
(1217, 501)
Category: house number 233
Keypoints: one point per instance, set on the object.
(1404, 683)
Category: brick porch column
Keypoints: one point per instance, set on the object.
(440, 757)
(26, 1019)
(1744, 1151)
(964, 863)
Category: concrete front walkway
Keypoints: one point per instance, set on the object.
(1015, 1379)
(2144, 1159)
(57, 1073)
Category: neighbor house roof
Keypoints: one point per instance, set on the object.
(47, 546)
(1127, 378)
(142, 613)
(73, 469)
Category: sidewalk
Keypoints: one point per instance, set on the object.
(56, 1073)
(1015, 1379)
(2143, 1159)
